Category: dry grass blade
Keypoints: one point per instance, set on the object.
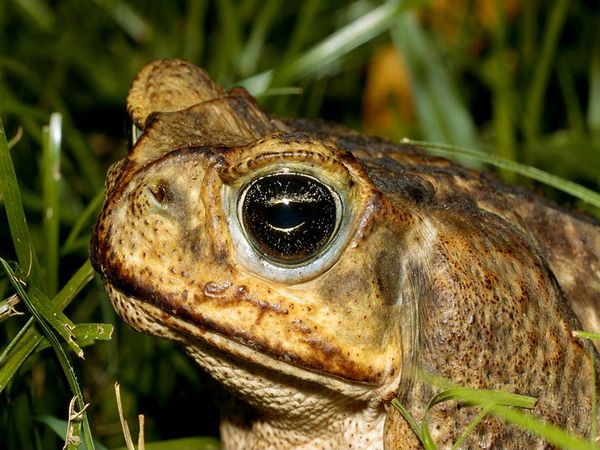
(7, 307)
(125, 425)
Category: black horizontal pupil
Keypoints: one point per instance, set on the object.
(289, 217)
(286, 215)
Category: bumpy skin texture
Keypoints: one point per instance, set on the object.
(437, 270)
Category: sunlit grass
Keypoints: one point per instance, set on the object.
(576, 190)
(503, 405)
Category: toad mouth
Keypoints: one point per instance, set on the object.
(152, 319)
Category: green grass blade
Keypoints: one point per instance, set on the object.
(528, 34)
(60, 428)
(476, 420)
(586, 334)
(43, 310)
(485, 398)
(90, 332)
(11, 196)
(469, 396)
(53, 316)
(503, 91)
(39, 13)
(127, 18)
(85, 218)
(501, 404)
(228, 43)
(346, 39)
(63, 358)
(535, 99)
(550, 433)
(408, 417)
(51, 178)
(576, 190)
(252, 51)
(428, 442)
(82, 277)
(593, 112)
(573, 107)
(28, 337)
(302, 28)
(86, 334)
(318, 59)
(194, 37)
(442, 114)
(18, 350)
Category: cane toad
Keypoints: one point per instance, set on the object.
(315, 273)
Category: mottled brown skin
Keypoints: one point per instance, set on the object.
(439, 270)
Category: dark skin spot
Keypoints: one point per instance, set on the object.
(387, 270)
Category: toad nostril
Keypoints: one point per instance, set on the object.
(159, 192)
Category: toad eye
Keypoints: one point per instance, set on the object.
(289, 218)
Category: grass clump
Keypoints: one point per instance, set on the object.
(503, 405)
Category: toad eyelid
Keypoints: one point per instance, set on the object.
(312, 161)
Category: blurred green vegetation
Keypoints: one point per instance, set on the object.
(520, 80)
